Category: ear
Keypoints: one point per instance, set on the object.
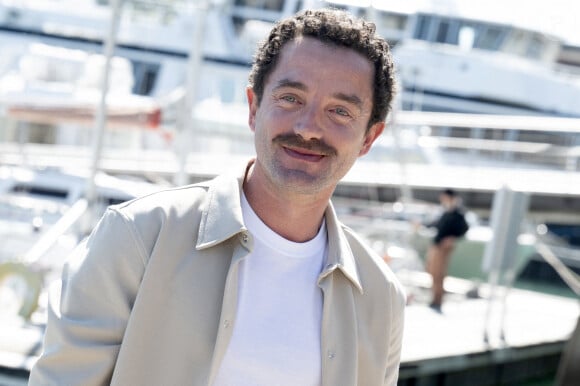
(252, 107)
(372, 134)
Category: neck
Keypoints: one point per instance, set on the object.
(296, 217)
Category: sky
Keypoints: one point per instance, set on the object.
(557, 17)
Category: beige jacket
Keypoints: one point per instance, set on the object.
(150, 297)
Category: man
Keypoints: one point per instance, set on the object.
(249, 280)
(450, 226)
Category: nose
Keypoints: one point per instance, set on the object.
(308, 124)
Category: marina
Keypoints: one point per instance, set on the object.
(173, 112)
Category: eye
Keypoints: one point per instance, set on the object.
(342, 112)
(289, 98)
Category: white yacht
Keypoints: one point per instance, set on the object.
(446, 54)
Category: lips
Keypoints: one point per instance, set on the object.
(303, 154)
(297, 148)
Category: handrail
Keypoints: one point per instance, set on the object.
(59, 228)
(488, 121)
(567, 275)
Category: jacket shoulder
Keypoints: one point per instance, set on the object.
(166, 200)
(175, 211)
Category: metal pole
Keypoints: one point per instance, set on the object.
(192, 76)
(499, 259)
(101, 114)
(51, 236)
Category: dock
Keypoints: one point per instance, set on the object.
(446, 348)
(449, 348)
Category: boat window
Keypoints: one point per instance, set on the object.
(273, 5)
(422, 28)
(442, 31)
(516, 42)
(535, 47)
(145, 75)
(491, 38)
(454, 30)
(392, 21)
(40, 191)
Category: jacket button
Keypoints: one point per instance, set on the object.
(331, 355)
(244, 238)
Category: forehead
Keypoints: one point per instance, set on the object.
(308, 60)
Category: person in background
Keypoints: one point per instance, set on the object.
(248, 279)
(450, 226)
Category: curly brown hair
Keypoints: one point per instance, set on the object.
(338, 28)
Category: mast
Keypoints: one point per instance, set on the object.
(101, 114)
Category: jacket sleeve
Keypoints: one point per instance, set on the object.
(398, 300)
(90, 306)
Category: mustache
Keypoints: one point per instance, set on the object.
(296, 141)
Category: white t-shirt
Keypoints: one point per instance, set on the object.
(276, 334)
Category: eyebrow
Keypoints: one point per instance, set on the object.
(290, 83)
(348, 98)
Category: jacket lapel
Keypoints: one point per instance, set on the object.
(222, 213)
(339, 280)
(339, 332)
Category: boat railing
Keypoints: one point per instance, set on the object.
(51, 236)
(568, 71)
(569, 277)
(536, 141)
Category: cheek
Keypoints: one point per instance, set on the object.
(273, 122)
(350, 140)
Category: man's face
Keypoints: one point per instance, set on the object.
(310, 126)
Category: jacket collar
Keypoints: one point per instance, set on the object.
(222, 218)
(340, 254)
(222, 212)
